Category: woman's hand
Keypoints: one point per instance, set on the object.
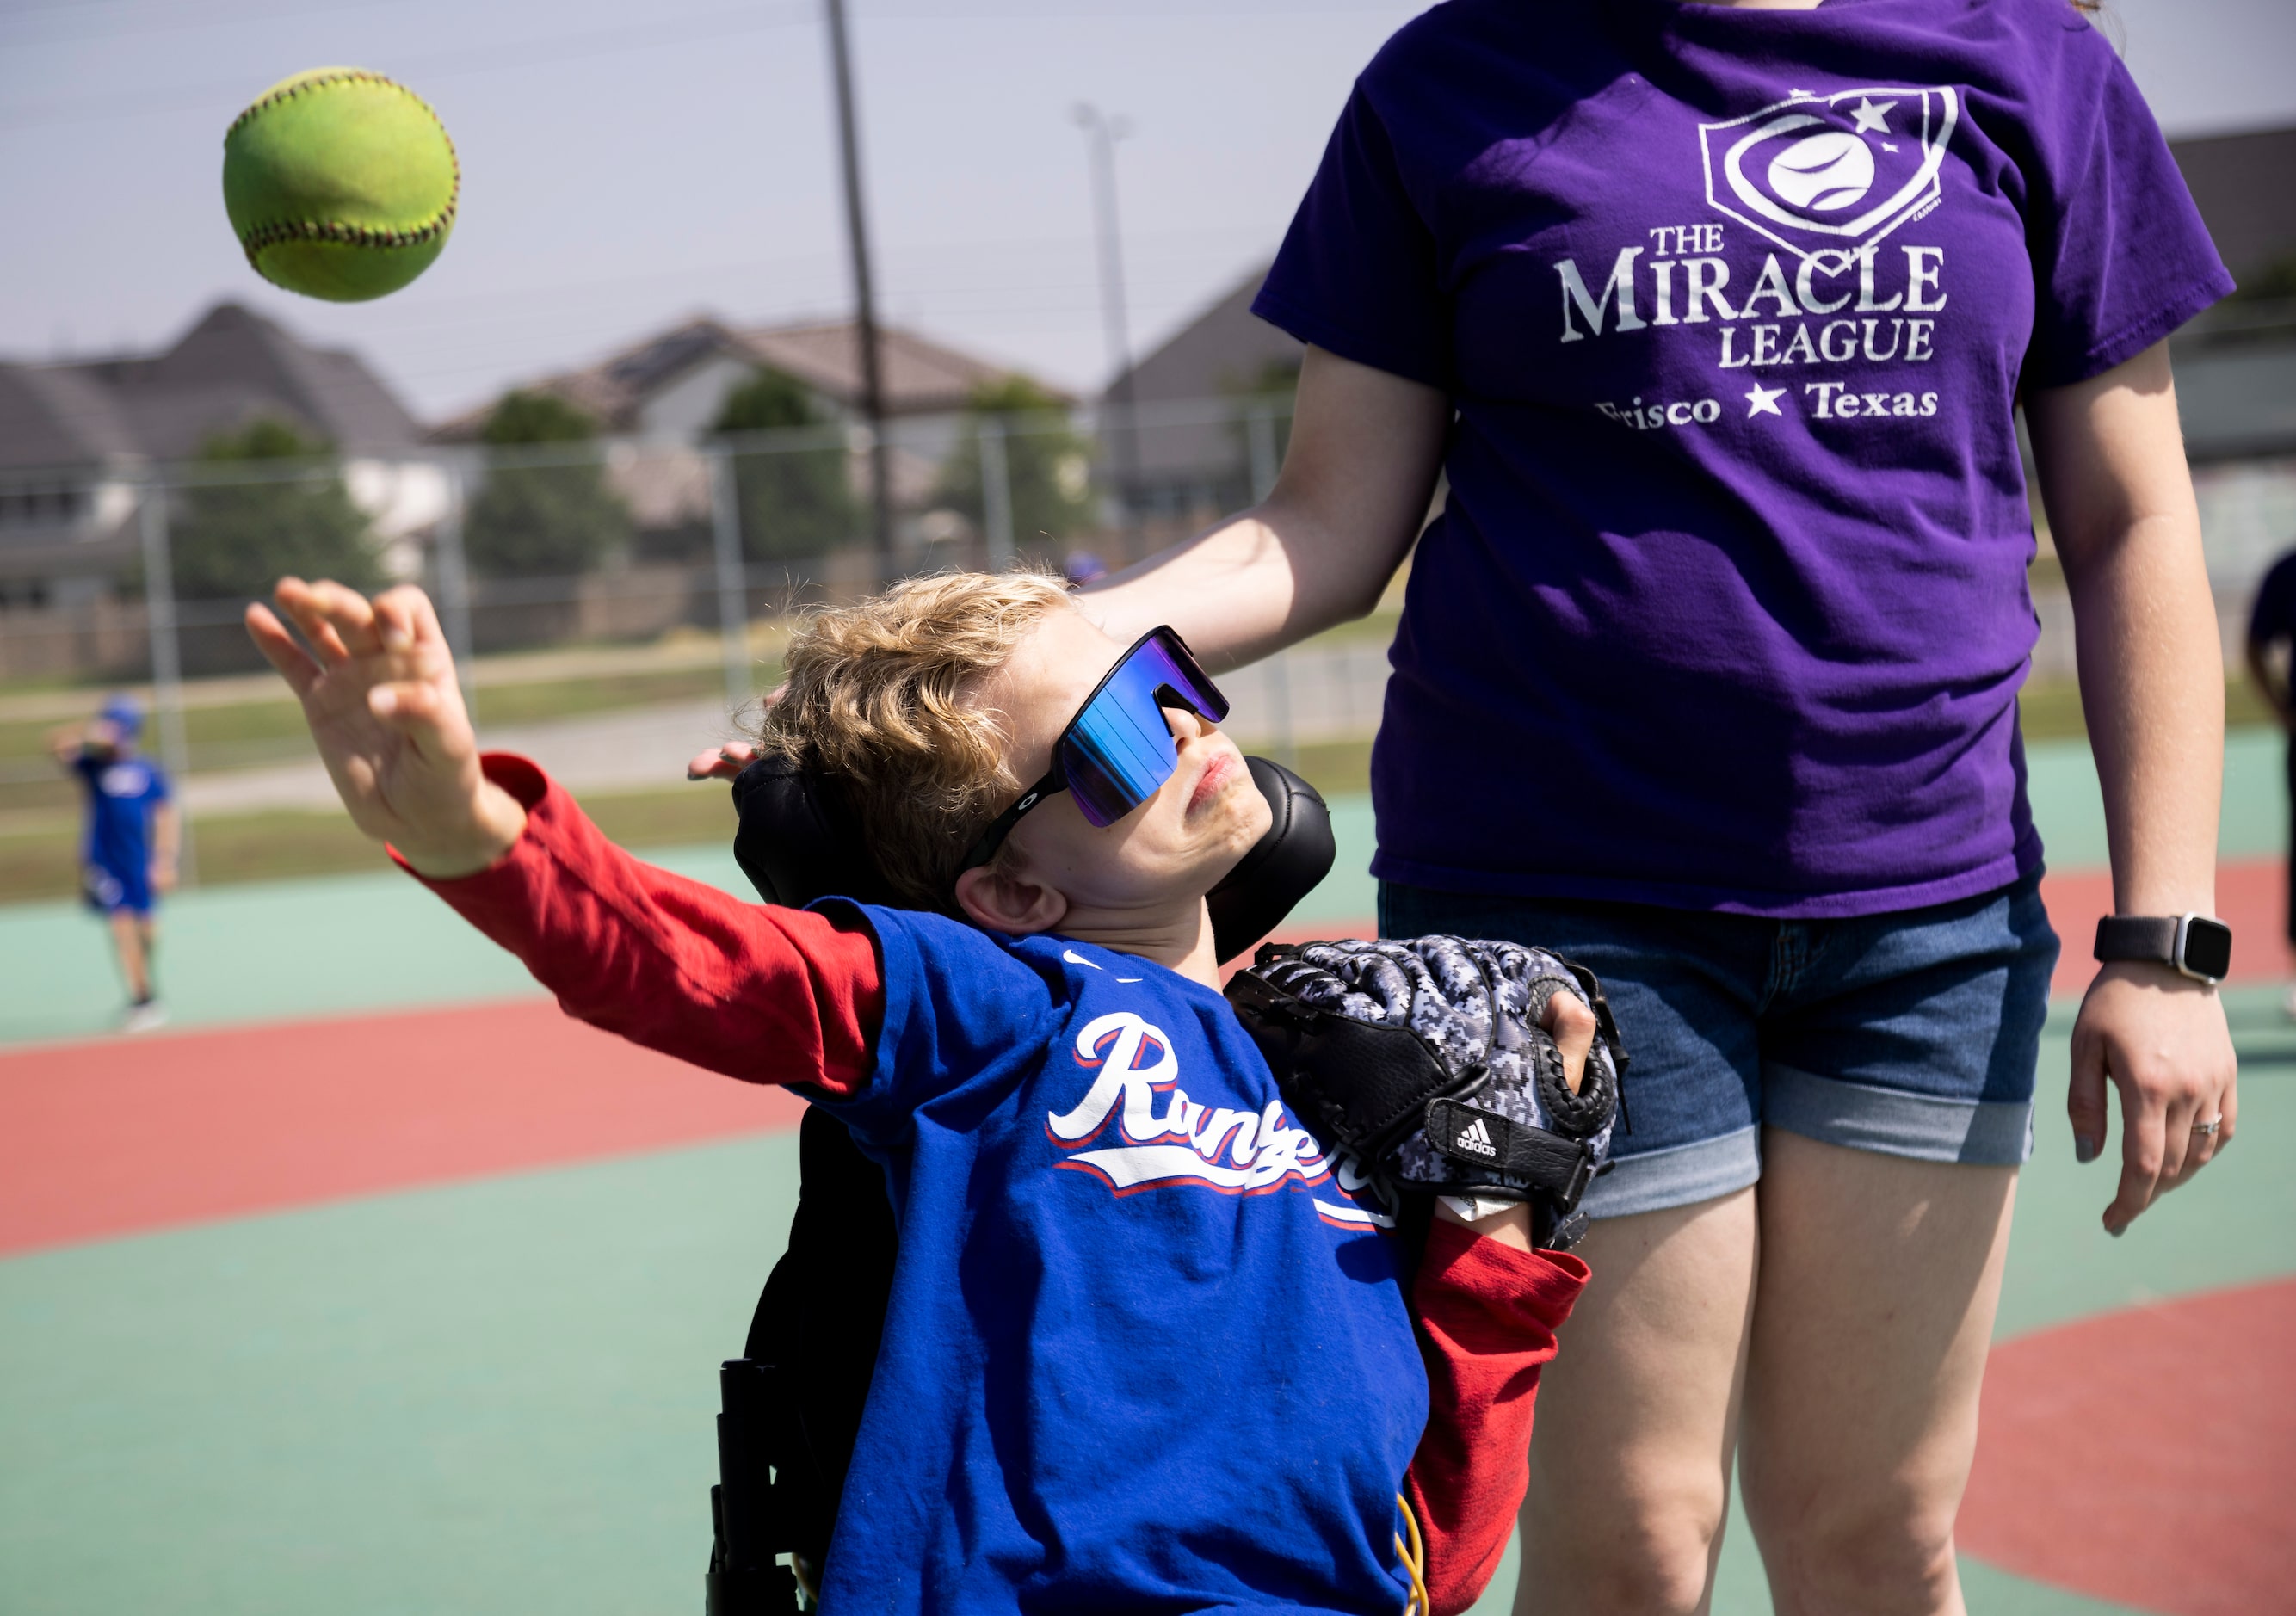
(383, 705)
(722, 762)
(2160, 1039)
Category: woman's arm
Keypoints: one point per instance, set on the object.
(2121, 505)
(1356, 480)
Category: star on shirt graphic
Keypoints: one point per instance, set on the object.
(1764, 401)
(1869, 117)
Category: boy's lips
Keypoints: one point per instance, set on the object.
(1218, 774)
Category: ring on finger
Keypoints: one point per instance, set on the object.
(2207, 1131)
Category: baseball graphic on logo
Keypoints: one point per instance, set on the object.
(1823, 172)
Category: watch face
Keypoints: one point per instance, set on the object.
(2208, 948)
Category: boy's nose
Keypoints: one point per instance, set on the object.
(1186, 723)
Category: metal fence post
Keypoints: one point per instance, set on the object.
(1260, 440)
(1260, 437)
(996, 493)
(454, 591)
(166, 662)
(732, 581)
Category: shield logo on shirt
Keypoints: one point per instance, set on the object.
(1828, 174)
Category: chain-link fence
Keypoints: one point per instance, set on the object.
(570, 555)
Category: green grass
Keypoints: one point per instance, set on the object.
(248, 733)
(2050, 709)
(253, 723)
(45, 863)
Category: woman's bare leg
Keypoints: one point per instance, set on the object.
(1630, 1465)
(1873, 1312)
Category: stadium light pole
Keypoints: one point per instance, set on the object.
(1101, 133)
(864, 296)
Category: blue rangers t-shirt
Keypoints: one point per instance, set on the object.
(1727, 608)
(1143, 1352)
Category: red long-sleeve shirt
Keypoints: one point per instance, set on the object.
(785, 995)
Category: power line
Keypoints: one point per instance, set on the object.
(576, 47)
(178, 23)
(608, 42)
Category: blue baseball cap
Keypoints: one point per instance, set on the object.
(123, 714)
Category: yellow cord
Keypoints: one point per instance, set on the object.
(1414, 1556)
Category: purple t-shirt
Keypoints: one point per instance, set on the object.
(1727, 609)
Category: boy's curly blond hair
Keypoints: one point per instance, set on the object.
(875, 700)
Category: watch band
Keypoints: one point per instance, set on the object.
(2151, 938)
(2197, 945)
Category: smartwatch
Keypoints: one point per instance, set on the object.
(2192, 945)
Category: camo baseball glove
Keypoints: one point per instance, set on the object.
(1424, 1063)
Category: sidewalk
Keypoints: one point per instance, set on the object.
(632, 749)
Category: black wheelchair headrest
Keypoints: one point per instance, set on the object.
(799, 840)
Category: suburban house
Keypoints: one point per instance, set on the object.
(76, 441)
(1170, 444)
(665, 392)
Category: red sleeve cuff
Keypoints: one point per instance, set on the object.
(532, 789)
(1519, 1291)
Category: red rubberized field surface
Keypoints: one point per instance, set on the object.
(107, 1139)
(2120, 1449)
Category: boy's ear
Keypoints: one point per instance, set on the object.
(994, 898)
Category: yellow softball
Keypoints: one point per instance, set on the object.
(340, 185)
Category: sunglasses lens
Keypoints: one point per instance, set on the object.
(1120, 751)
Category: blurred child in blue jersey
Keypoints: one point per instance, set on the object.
(127, 857)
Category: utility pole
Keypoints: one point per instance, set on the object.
(865, 296)
(1101, 133)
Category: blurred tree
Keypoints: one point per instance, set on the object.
(794, 502)
(237, 539)
(1047, 461)
(2272, 282)
(542, 519)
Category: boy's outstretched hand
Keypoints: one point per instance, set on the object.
(384, 708)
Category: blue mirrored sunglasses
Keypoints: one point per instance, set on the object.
(1118, 751)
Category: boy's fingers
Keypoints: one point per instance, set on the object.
(405, 617)
(1573, 1027)
(280, 650)
(415, 707)
(351, 614)
(301, 603)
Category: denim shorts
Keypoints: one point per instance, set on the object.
(1914, 1033)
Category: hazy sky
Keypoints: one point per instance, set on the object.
(624, 167)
